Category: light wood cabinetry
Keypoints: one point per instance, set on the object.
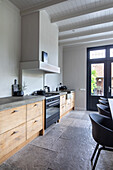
(18, 126)
(34, 110)
(62, 104)
(34, 118)
(66, 104)
(11, 139)
(62, 99)
(11, 118)
(34, 126)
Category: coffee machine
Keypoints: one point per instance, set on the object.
(16, 89)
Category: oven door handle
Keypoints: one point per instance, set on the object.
(53, 104)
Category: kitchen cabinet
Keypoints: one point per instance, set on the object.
(34, 118)
(34, 126)
(18, 126)
(62, 105)
(12, 118)
(12, 139)
(34, 110)
(66, 104)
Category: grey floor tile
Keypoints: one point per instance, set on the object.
(30, 158)
(50, 138)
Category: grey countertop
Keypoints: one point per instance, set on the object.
(64, 92)
(11, 102)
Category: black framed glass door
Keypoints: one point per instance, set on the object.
(99, 74)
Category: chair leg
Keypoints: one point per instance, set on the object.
(97, 158)
(94, 152)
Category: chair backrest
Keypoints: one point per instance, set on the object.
(104, 110)
(103, 98)
(102, 129)
(111, 106)
(103, 102)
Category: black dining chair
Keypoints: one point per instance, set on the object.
(103, 98)
(102, 132)
(103, 102)
(104, 110)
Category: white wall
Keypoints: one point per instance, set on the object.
(53, 80)
(48, 42)
(75, 69)
(33, 80)
(74, 74)
(10, 42)
(48, 34)
(30, 37)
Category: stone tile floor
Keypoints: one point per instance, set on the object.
(67, 145)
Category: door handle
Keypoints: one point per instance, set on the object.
(109, 89)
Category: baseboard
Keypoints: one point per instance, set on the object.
(80, 108)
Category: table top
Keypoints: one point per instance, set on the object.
(111, 106)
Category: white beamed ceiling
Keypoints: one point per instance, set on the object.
(79, 21)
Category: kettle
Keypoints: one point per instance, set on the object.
(46, 89)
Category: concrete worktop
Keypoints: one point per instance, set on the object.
(64, 92)
(11, 102)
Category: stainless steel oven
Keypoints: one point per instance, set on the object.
(52, 110)
(52, 107)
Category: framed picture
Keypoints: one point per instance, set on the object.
(44, 57)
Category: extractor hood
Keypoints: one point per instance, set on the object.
(39, 65)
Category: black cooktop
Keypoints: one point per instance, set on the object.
(42, 92)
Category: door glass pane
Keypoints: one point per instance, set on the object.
(97, 54)
(111, 79)
(97, 79)
(111, 52)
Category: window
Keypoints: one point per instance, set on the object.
(111, 52)
(97, 54)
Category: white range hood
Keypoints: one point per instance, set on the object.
(39, 65)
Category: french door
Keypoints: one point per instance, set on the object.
(99, 74)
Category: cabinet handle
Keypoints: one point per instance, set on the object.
(35, 121)
(14, 133)
(14, 111)
(35, 105)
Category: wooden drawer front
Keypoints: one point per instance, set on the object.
(62, 99)
(73, 97)
(62, 110)
(72, 105)
(34, 110)
(11, 118)
(68, 104)
(34, 126)
(11, 139)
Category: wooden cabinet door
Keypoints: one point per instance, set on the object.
(62, 99)
(68, 104)
(34, 126)
(12, 118)
(62, 110)
(11, 139)
(34, 110)
(73, 100)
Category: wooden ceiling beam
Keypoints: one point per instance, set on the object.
(81, 13)
(89, 43)
(85, 40)
(91, 22)
(40, 6)
(87, 32)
